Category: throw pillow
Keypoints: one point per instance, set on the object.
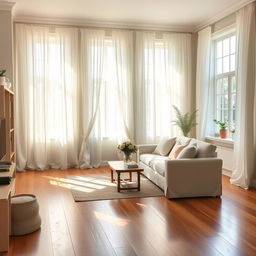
(189, 151)
(204, 149)
(176, 150)
(165, 146)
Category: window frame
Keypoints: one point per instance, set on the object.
(229, 75)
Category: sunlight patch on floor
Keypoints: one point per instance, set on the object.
(69, 186)
(111, 219)
(143, 205)
(96, 181)
(79, 183)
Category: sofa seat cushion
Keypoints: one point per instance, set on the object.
(159, 166)
(156, 162)
(147, 158)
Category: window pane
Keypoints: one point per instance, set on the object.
(225, 85)
(232, 62)
(219, 49)
(226, 64)
(219, 66)
(226, 47)
(225, 101)
(219, 101)
(222, 115)
(219, 86)
(219, 112)
(222, 86)
(233, 44)
(222, 101)
(225, 115)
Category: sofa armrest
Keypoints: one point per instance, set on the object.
(145, 149)
(193, 177)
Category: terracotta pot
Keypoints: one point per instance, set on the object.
(223, 133)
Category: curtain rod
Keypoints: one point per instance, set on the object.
(99, 27)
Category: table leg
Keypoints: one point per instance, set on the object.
(130, 176)
(138, 173)
(118, 182)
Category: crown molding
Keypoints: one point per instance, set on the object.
(235, 7)
(102, 24)
(6, 6)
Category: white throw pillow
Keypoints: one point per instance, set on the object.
(165, 146)
(188, 152)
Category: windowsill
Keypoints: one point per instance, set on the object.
(228, 143)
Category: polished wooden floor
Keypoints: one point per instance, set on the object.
(147, 226)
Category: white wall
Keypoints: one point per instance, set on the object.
(6, 42)
(223, 23)
(225, 151)
(226, 154)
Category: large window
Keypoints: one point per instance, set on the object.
(111, 123)
(225, 79)
(155, 77)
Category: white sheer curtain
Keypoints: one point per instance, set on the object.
(163, 79)
(245, 142)
(46, 97)
(106, 78)
(204, 86)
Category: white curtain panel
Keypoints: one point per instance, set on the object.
(46, 97)
(245, 139)
(163, 79)
(204, 86)
(106, 79)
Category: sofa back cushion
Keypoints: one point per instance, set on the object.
(204, 149)
(188, 152)
(183, 140)
(164, 146)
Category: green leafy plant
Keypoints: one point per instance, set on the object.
(222, 125)
(185, 121)
(2, 72)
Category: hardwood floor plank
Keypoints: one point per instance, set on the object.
(137, 226)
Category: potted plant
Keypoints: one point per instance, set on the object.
(2, 77)
(223, 128)
(185, 121)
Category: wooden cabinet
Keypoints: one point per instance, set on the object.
(7, 112)
(6, 191)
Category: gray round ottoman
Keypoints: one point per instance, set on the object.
(25, 214)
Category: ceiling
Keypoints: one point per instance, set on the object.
(182, 14)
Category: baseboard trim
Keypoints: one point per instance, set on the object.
(226, 172)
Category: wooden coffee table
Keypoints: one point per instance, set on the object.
(119, 168)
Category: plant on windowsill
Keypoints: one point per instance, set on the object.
(223, 128)
(185, 121)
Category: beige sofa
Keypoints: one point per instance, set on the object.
(192, 177)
